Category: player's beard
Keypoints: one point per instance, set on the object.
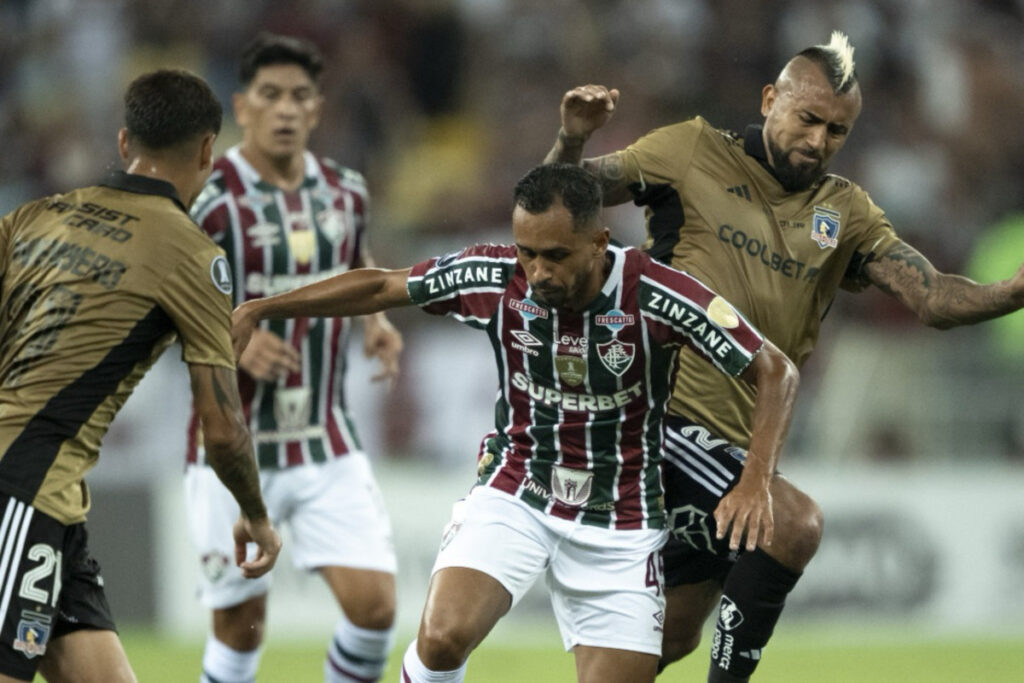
(794, 177)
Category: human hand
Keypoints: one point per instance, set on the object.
(267, 357)
(382, 341)
(748, 510)
(586, 108)
(268, 546)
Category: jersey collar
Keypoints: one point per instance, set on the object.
(141, 184)
(753, 145)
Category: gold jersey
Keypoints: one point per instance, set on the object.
(715, 210)
(94, 285)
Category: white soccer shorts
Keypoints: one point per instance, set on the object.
(334, 511)
(606, 585)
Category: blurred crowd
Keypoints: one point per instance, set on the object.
(443, 104)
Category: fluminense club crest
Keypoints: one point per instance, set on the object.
(616, 355)
(825, 227)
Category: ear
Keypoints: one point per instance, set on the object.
(601, 239)
(206, 151)
(122, 144)
(238, 104)
(314, 119)
(768, 95)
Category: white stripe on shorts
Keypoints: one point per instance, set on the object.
(703, 454)
(695, 469)
(17, 519)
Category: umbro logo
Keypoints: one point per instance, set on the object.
(739, 191)
(526, 338)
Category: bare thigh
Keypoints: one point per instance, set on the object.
(86, 656)
(366, 596)
(609, 665)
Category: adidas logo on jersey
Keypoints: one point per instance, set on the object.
(740, 191)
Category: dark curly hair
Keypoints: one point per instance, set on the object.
(579, 191)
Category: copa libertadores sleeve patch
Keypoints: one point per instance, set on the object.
(220, 273)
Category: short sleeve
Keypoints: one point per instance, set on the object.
(197, 297)
(663, 155)
(467, 285)
(875, 237)
(681, 310)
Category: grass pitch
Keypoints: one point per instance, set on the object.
(795, 656)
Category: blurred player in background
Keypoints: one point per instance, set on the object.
(758, 219)
(584, 335)
(286, 217)
(95, 284)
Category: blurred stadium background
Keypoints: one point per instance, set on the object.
(911, 439)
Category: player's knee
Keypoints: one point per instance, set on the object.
(808, 527)
(798, 531)
(241, 627)
(377, 616)
(442, 647)
(675, 646)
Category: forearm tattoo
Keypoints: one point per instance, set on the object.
(232, 459)
(904, 272)
(940, 300)
(567, 150)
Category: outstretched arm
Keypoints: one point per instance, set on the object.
(748, 507)
(585, 109)
(229, 453)
(358, 292)
(381, 340)
(939, 299)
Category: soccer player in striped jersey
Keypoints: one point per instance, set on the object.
(757, 217)
(287, 217)
(95, 284)
(585, 336)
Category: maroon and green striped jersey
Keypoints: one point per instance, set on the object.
(276, 241)
(581, 394)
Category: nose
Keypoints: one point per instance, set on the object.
(538, 271)
(286, 106)
(816, 138)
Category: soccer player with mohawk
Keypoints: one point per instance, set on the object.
(756, 217)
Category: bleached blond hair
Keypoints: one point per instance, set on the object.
(836, 60)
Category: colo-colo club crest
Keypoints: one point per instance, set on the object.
(825, 227)
(617, 356)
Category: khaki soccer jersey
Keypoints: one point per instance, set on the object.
(581, 395)
(277, 241)
(715, 210)
(95, 284)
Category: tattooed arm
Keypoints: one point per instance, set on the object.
(584, 110)
(939, 299)
(229, 453)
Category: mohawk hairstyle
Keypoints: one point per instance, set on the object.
(836, 60)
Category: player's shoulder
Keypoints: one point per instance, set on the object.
(341, 175)
(839, 189)
(479, 252)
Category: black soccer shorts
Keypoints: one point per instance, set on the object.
(698, 469)
(49, 586)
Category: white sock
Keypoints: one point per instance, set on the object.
(357, 654)
(221, 664)
(413, 670)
